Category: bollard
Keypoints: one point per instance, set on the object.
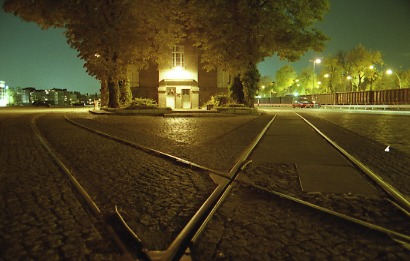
(95, 105)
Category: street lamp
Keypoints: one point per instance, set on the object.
(391, 72)
(316, 61)
(373, 73)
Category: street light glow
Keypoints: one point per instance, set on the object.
(316, 61)
(389, 72)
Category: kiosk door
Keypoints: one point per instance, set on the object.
(170, 101)
(186, 98)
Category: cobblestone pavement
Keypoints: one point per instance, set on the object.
(367, 142)
(240, 230)
(385, 129)
(252, 225)
(214, 142)
(156, 195)
(41, 218)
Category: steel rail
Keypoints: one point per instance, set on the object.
(147, 149)
(175, 248)
(198, 221)
(397, 236)
(392, 233)
(401, 199)
(90, 203)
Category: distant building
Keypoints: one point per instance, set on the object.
(24, 95)
(55, 96)
(180, 83)
(3, 94)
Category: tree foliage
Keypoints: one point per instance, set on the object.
(250, 81)
(356, 63)
(233, 35)
(357, 69)
(108, 35)
(236, 90)
(285, 79)
(237, 34)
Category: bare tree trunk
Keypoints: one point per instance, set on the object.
(104, 93)
(113, 94)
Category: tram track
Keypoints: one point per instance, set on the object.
(225, 182)
(404, 203)
(174, 159)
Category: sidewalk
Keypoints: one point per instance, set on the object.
(320, 167)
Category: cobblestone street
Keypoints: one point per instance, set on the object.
(44, 218)
(41, 217)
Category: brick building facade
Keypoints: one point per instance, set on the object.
(180, 82)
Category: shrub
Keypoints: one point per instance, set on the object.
(142, 103)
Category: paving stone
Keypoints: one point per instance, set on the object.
(37, 193)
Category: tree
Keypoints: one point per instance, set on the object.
(266, 86)
(236, 89)
(235, 35)
(108, 35)
(250, 80)
(305, 80)
(125, 92)
(357, 62)
(285, 78)
(332, 75)
(405, 78)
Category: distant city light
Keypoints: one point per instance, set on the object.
(4, 96)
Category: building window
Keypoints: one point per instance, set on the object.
(178, 56)
(223, 79)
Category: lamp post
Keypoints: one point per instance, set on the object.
(373, 73)
(328, 82)
(391, 72)
(316, 61)
(350, 80)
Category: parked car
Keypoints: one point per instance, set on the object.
(79, 104)
(41, 104)
(303, 102)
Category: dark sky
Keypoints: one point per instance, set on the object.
(379, 25)
(30, 56)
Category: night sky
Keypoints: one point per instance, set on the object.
(31, 57)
